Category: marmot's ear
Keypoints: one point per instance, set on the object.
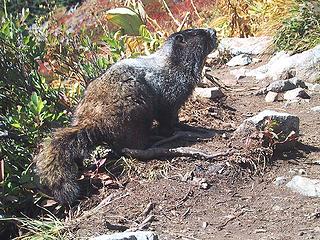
(180, 39)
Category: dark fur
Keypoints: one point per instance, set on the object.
(119, 107)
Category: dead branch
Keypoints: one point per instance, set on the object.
(185, 19)
(187, 135)
(220, 227)
(152, 153)
(116, 227)
(195, 9)
(148, 209)
(169, 12)
(105, 202)
(143, 225)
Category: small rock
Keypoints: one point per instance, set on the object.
(280, 180)
(302, 172)
(305, 186)
(256, 60)
(316, 109)
(260, 230)
(138, 235)
(271, 97)
(201, 182)
(296, 93)
(212, 93)
(240, 60)
(225, 136)
(204, 225)
(317, 162)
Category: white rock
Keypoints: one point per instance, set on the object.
(239, 60)
(280, 180)
(251, 45)
(212, 93)
(296, 93)
(316, 109)
(286, 122)
(305, 186)
(256, 60)
(304, 64)
(314, 87)
(271, 97)
(317, 162)
(139, 235)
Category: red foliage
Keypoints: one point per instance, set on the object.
(178, 8)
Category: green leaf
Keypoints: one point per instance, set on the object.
(125, 18)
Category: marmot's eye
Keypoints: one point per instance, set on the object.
(180, 38)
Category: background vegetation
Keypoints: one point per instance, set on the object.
(44, 70)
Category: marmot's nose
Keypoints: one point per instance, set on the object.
(212, 32)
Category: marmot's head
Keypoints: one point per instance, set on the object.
(189, 48)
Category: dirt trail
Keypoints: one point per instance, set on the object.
(235, 206)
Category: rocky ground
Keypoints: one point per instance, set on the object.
(232, 195)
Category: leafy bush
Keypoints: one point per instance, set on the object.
(301, 31)
(42, 76)
(37, 7)
(29, 108)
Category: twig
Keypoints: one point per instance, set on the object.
(184, 215)
(152, 153)
(185, 19)
(170, 13)
(117, 227)
(220, 227)
(143, 225)
(189, 193)
(154, 23)
(195, 9)
(108, 200)
(148, 209)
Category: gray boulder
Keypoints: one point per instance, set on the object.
(305, 65)
(285, 85)
(286, 123)
(251, 45)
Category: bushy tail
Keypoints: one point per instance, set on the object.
(56, 163)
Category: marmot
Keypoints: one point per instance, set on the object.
(119, 107)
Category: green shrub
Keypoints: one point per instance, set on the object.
(301, 31)
(29, 107)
